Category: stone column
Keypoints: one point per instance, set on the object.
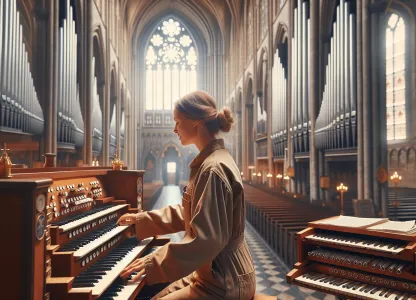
(367, 115)
(289, 159)
(47, 13)
(87, 82)
(378, 99)
(360, 144)
(313, 97)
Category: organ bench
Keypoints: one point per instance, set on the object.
(62, 237)
(355, 262)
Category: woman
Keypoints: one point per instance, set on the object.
(213, 260)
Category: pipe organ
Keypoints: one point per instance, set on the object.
(279, 133)
(97, 118)
(65, 243)
(300, 123)
(336, 122)
(70, 122)
(113, 135)
(19, 105)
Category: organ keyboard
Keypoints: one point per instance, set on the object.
(355, 263)
(64, 236)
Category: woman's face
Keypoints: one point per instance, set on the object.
(186, 129)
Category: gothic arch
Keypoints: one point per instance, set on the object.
(168, 145)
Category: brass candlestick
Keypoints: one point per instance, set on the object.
(395, 178)
(342, 189)
(117, 164)
(5, 163)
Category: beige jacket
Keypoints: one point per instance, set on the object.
(213, 215)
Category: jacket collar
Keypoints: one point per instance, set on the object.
(216, 144)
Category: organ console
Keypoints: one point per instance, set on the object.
(20, 111)
(63, 239)
(355, 262)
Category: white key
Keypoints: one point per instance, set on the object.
(108, 279)
(92, 217)
(84, 250)
(340, 289)
(356, 245)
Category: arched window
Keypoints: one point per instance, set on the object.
(264, 10)
(171, 62)
(396, 78)
(250, 31)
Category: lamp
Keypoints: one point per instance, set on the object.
(342, 189)
(395, 178)
(259, 174)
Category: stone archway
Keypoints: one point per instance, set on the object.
(171, 154)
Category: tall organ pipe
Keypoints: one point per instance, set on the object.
(97, 119)
(20, 110)
(70, 121)
(279, 106)
(300, 83)
(335, 124)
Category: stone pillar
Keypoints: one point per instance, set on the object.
(289, 159)
(87, 82)
(313, 97)
(47, 13)
(378, 99)
(360, 144)
(367, 121)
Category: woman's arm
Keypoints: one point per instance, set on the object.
(211, 225)
(156, 222)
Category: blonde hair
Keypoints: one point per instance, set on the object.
(201, 106)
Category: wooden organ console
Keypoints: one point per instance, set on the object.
(63, 241)
(355, 263)
(20, 111)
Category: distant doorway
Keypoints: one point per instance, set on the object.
(171, 172)
(171, 166)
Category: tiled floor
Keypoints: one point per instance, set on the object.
(270, 270)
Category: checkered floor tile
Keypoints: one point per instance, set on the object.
(271, 272)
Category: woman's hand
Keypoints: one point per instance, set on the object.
(136, 266)
(127, 219)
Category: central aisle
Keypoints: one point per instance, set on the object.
(270, 270)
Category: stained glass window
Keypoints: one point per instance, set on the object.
(264, 8)
(171, 61)
(396, 78)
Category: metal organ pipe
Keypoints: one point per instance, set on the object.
(335, 125)
(97, 119)
(300, 84)
(113, 138)
(70, 122)
(279, 139)
(20, 110)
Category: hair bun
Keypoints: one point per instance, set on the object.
(226, 119)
